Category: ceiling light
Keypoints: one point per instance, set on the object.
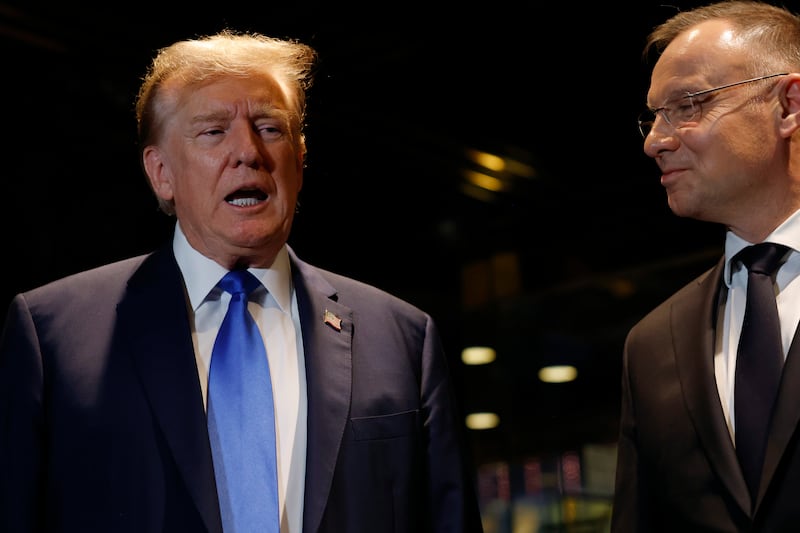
(478, 355)
(480, 421)
(558, 373)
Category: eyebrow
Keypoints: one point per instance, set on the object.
(264, 111)
(269, 111)
(214, 116)
(679, 92)
(668, 101)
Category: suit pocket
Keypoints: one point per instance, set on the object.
(384, 426)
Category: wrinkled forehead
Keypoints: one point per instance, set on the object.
(259, 88)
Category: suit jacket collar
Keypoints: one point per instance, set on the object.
(327, 342)
(785, 418)
(694, 350)
(161, 348)
(694, 340)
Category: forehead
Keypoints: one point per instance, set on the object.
(709, 53)
(255, 89)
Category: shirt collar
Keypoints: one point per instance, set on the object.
(201, 274)
(788, 233)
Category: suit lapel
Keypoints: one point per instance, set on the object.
(694, 339)
(153, 319)
(785, 417)
(327, 343)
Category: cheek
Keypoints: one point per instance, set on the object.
(728, 144)
(751, 146)
(290, 176)
(194, 187)
(733, 161)
(199, 166)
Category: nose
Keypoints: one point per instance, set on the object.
(246, 149)
(660, 138)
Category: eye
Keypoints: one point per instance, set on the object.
(684, 110)
(271, 131)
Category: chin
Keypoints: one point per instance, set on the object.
(258, 236)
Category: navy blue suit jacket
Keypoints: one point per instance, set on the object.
(102, 426)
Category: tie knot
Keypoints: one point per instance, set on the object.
(239, 281)
(762, 258)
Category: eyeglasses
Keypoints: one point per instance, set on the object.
(679, 112)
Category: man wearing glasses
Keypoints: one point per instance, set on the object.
(709, 436)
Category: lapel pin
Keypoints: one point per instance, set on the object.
(332, 320)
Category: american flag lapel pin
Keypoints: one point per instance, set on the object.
(332, 320)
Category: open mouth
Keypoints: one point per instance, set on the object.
(246, 197)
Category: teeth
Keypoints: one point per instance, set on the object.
(243, 202)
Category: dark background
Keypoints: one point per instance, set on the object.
(555, 268)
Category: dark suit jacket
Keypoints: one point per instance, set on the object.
(677, 469)
(102, 426)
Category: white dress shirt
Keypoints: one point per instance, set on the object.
(274, 308)
(732, 306)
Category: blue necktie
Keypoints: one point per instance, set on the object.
(241, 418)
(759, 361)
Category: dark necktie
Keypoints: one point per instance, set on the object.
(759, 361)
(241, 418)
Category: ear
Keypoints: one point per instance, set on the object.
(157, 172)
(790, 100)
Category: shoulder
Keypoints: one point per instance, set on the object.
(350, 290)
(94, 278)
(687, 306)
(88, 289)
(76, 305)
(365, 298)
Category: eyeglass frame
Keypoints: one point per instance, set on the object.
(662, 110)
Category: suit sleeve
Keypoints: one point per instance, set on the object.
(21, 427)
(452, 496)
(629, 514)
